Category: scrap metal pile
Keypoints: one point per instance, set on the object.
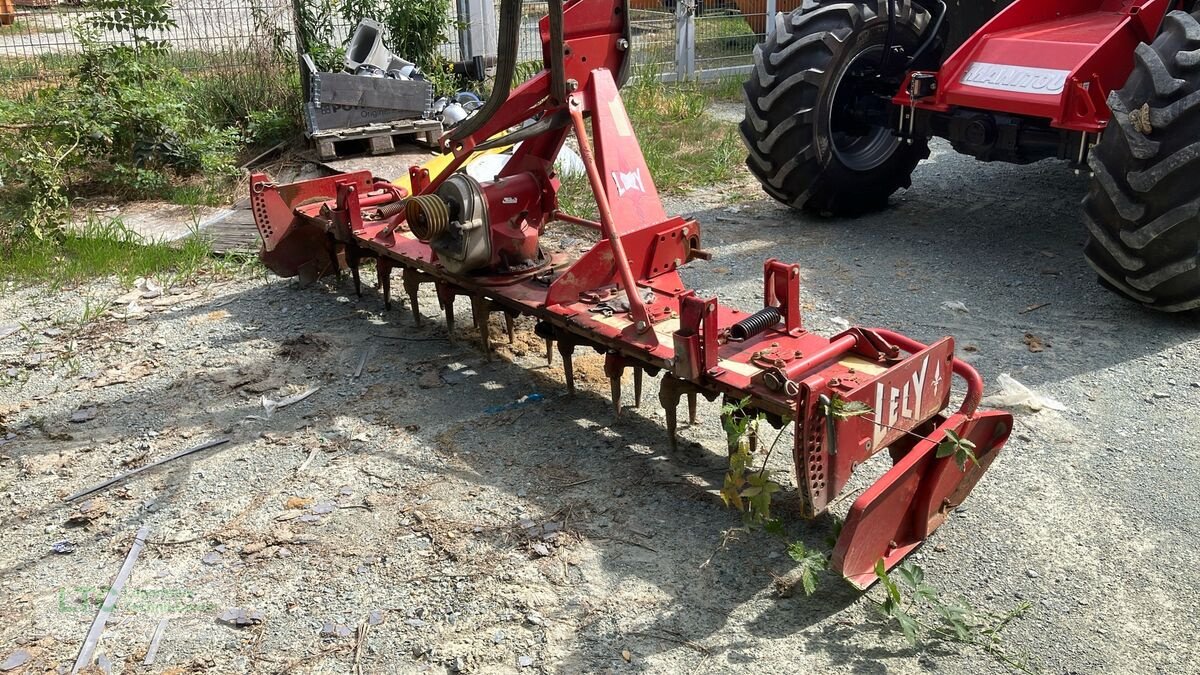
(624, 297)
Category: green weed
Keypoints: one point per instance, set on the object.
(99, 249)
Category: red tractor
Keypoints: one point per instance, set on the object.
(846, 95)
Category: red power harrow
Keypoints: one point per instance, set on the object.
(624, 296)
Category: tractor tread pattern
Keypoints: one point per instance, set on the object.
(1141, 146)
(1142, 212)
(1165, 84)
(788, 95)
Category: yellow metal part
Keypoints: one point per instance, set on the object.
(439, 163)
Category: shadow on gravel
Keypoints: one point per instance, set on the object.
(1006, 241)
(652, 517)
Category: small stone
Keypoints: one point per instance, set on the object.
(375, 617)
(415, 623)
(498, 637)
(253, 547)
(430, 380)
(335, 630)
(283, 552)
(1161, 394)
(297, 502)
(63, 547)
(1032, 574)
(15, 660)
(237, 616)
(211, 558)
(323, 508)
(524, 661)
(541, 549)
(83, 414)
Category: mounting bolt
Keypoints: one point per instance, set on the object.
(572, 85)
(622, 44)
(641, 326)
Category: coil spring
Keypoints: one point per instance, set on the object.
(427, 216)
(755, 323)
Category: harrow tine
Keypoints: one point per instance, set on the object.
(446, 298)
(412, 286)
(691, 396)
(614, 367)
(510, 322)
(549, 352)
(383, 270)
(565, 350)
(637, 387)
(614, 384)
(668, 396)
(352, 259)
(480, 314)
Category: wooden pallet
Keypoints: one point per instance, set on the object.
(376, 139)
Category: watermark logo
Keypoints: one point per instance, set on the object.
(148, 601)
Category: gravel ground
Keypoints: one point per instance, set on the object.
(466, 530)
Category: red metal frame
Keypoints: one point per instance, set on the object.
(785, 371)
(1083, 48)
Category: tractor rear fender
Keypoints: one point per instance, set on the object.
(1051, 60)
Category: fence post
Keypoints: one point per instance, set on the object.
(475, 18)
(299, 34)
(772, 10)
(685, 39)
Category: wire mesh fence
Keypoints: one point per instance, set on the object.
(254, 40)
(228, 38)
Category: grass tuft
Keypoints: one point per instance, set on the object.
(101, 249)
(684, 148)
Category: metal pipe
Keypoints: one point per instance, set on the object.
(375, 200)
(961, 368)
(641, 319)
(568, 218)
(797, 369)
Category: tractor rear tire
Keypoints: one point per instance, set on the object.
(1143, 209)
(802, 147)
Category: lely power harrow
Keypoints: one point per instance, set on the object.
(624, 297)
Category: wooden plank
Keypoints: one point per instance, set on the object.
(365, 131)
(133, 472)
(88, 649)
(152, 651)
